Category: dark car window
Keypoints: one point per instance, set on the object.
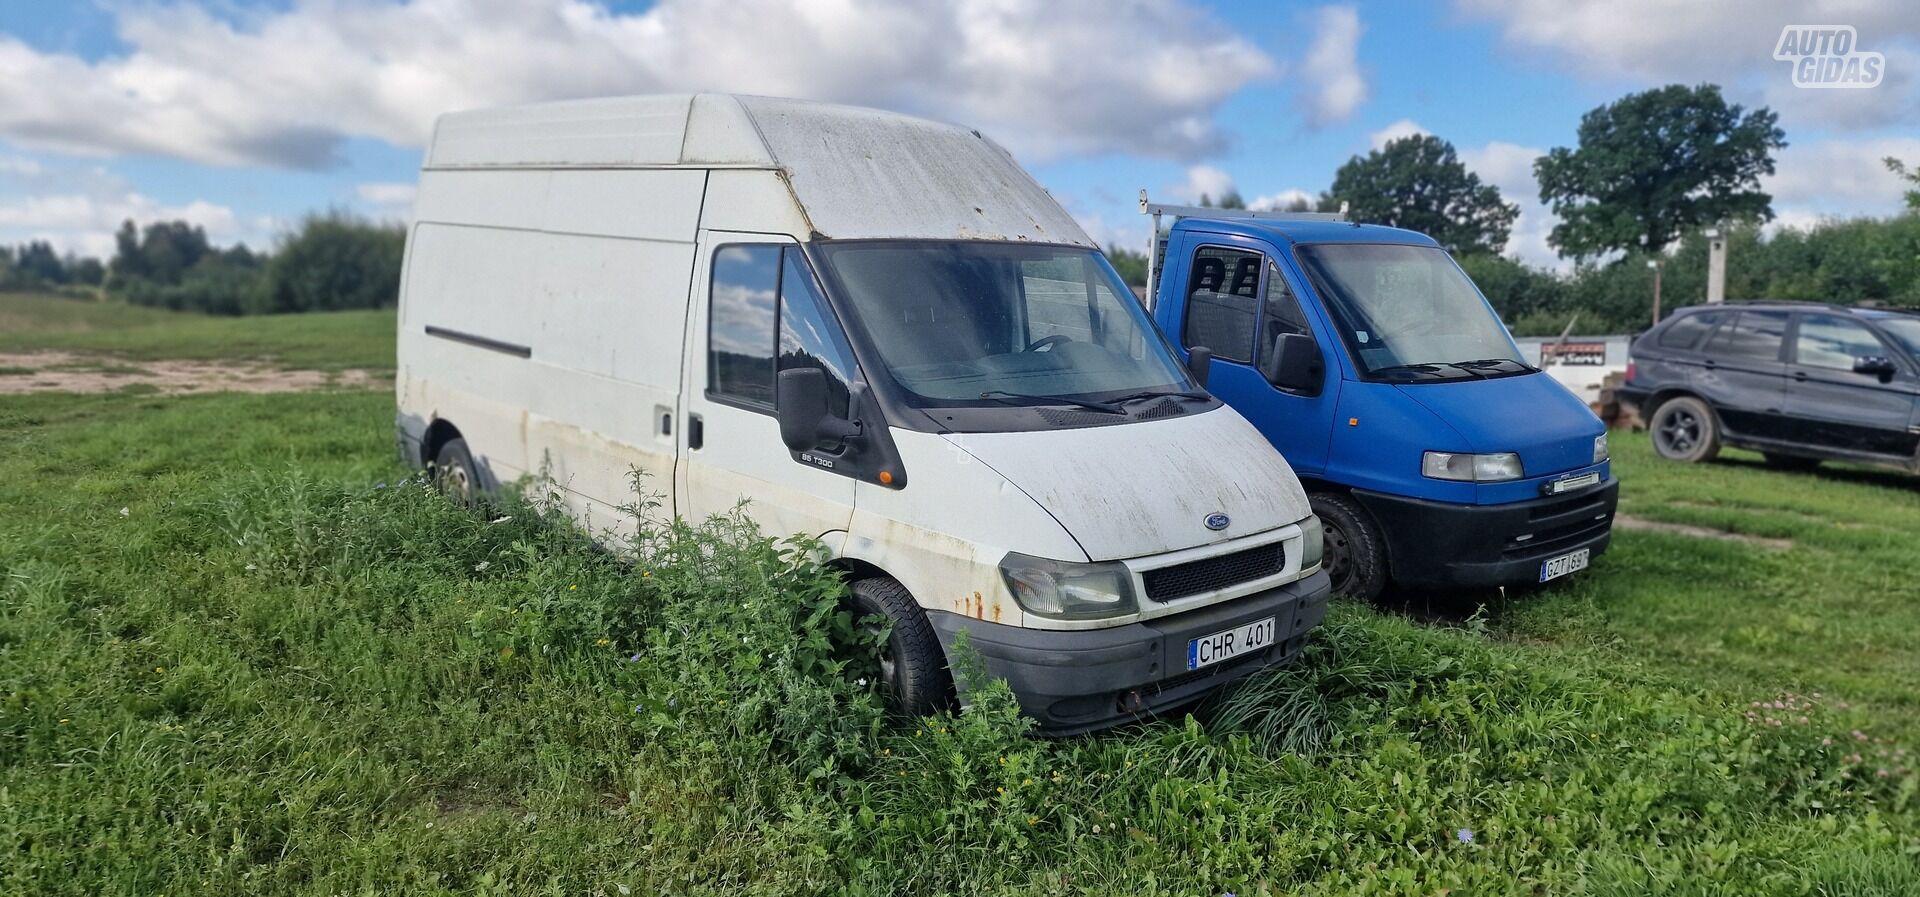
(1834, 341)
(1686, 331)
(1754, 335)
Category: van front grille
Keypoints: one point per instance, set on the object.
(1219, 572)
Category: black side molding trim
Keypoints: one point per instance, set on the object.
(481, 341)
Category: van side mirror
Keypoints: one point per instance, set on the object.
(1293, 363)
(805, 421)
(1200, 364)
(1876, 366)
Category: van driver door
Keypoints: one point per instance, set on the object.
(757, 307)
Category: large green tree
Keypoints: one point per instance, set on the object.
(1651, 166)
(1419, 183)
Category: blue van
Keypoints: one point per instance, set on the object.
(1435, 456)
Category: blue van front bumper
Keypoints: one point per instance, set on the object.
(1440, 545)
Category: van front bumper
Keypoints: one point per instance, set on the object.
(1079, 681)
(1434, 544)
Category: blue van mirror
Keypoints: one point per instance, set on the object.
(1293, 363)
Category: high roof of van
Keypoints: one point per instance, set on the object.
(856, 173)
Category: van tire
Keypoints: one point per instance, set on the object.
(1354, 552)
(913, 668)
(455, 474)
(1685, 429)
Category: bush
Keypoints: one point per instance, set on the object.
(335, 261)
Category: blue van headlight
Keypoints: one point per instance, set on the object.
(1470, 468)
(1064, 590)
(1600, 448)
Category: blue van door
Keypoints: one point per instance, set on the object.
(1238, 302)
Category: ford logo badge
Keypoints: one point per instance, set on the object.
(1218, 521)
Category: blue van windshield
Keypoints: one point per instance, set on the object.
(1409, 313)
(967, 322)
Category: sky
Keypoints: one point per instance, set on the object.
(243, 116)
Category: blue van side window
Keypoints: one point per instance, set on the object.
(1281, 314)
(1223, 296)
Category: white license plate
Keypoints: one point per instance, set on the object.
(1208, 650)
(1571, 562)
(1571, 483)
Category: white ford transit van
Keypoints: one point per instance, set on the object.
(881, 332)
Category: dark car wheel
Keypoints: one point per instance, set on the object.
(1355, 554)
(1684, 429)
(454, 473)
(913, 668)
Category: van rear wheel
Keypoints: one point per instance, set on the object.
(454, 473)
(913, 668)
(1354, 553)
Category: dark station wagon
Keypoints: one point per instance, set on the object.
(1800, 383)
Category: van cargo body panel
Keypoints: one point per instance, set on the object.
(1137, 491)
(855, 173)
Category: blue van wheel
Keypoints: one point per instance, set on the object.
(1355, 554)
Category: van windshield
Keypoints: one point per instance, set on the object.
(1409, 313)
(968, 323)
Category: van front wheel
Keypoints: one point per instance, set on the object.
(913, 669)
(1355, 554)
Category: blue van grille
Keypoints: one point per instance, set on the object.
(1218, 572)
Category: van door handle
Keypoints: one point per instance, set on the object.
(1800, 376)
(696, 432)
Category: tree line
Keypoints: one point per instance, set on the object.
(332, 260)
(1648, 173)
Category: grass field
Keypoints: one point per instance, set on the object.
(237, 656)
(327, 342)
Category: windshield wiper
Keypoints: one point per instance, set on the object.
(1493, 362)
(1161, 393)
(1435, 369)
(1001, 395)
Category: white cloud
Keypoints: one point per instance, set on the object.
(1283, 199)
(285, 87)
(85, 224)
(19, 165)
(1841, 176)
(1509, 166)
(1728, 42)
(1332, 82)
(1203, 180)
(1405, 127)
(388, 199)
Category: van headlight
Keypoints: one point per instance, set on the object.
(1064, 590)
(1485, 468)
(1313, 542)
(1600, 448)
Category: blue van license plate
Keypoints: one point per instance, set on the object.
(1571, 562)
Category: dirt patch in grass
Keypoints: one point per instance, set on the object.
(1628, 521)
(72, 372)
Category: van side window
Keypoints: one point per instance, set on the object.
(1222, 298)
(1755, 335)
(1686, 331)
(740, 323)
(809, 334)
(1281, 313)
